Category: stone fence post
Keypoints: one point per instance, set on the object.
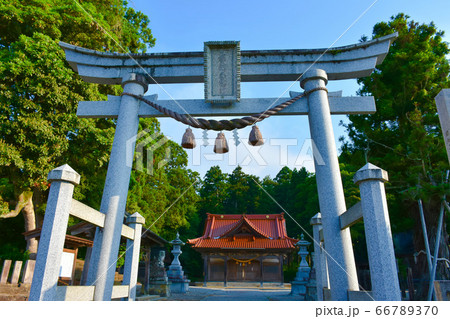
(380, 248)
(131, 266)
(28, 271)
(48, 261)
(320, 259)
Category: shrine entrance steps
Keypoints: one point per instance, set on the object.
(244, 284)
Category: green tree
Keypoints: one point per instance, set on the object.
(165, 195)
(243, 193)
(404, 136)
(284, 189)
(213, 192)
(39, 94)
(237, 192)
(266, 205)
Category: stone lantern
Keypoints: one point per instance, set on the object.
(178, 281)
(298, 286)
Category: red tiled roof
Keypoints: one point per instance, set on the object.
(244, 232)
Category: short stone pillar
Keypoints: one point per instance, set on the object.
(320, 259)
(298, 286)
(16, 272)
(5, 271)
(380, 248)
(178, 282)
(28, 271)
(130, 272)
(158, 283)
(51, 244)
(311, 286)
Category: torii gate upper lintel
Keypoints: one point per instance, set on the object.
(340, 63)
(315, 67)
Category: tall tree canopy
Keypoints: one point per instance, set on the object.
(292, 191)
(39, 94)
(404, 136)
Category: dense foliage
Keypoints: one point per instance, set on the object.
(39, 93)
(404, 136)
(167, 196)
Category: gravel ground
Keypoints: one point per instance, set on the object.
(233, 294)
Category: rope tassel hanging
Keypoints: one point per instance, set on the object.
(255, 138)
(188, 140)
(221, 145)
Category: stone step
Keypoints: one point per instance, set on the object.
(240, 284)
(147, 297)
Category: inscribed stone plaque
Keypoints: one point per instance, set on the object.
(222, 71)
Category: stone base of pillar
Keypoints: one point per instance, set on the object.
(311, 287)
(159, 287)
(298, 285)
(175, 271)
(299, 288)
(179, 286)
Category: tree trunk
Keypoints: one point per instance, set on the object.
(30, 223)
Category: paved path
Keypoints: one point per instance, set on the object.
(233, 294)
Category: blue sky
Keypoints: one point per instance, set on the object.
(184, 26)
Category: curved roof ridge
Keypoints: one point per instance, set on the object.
(239, 224)
(236, 226)
(255, 227)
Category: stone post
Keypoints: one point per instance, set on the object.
(85, 271)
(342, 267)
(298, 286)
(319, 257)
(28, 271)
(51, 244)
(311, 286)
(16, 271)
(205, 270)
(225, 271)
(130, 271)
(5, 271)
(280, 265)
(380, 249)
(262, 271)
(107, 240)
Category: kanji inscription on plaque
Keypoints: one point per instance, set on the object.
(222, 71)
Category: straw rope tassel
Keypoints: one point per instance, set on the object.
(221, 145)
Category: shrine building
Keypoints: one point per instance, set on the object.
(244, 248)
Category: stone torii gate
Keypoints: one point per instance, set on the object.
(222, 66)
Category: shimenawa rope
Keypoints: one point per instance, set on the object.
(221, 125)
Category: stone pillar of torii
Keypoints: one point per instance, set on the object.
(222, 67)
